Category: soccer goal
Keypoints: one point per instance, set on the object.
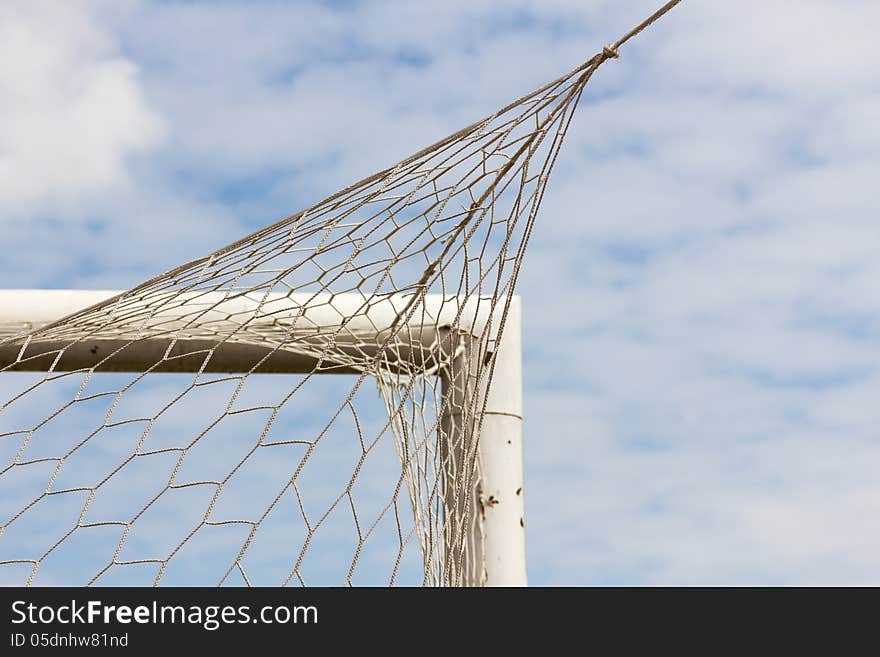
(334, 399)
(480, 539)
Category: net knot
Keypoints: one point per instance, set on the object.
(610, 52)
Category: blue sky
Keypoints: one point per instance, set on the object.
(700, 298)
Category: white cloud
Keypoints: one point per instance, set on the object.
(71, 107)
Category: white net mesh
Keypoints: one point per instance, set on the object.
(185, 432)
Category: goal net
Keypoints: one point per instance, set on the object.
(187, 431)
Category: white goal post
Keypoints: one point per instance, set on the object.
(498, 538)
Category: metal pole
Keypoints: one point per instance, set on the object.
(491, 544)
(501, 462)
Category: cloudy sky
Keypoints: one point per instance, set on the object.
(702, 314)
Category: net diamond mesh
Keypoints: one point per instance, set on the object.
(233, 458)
